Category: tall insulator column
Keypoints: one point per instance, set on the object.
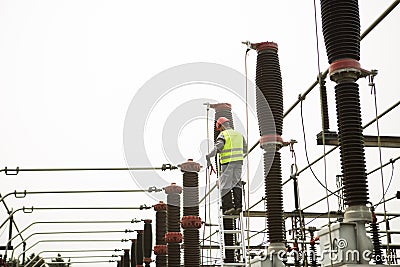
(139, 248)
(160, 249)
(191, 222)
(225, 110)
(126, 258)
(133, 249)
(147, 242)
(269, 100)
(341, 29)
(173, 237)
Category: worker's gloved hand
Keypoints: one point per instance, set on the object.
(208, 161)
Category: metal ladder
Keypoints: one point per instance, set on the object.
(239, 233)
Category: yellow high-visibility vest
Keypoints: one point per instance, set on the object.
(233, 148)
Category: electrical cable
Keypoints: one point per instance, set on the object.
(18, 170)
(306, 152)
(373, 91)
(387, 188)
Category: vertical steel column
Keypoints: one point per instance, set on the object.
(160, 249)
(173, 237)
(191, 222)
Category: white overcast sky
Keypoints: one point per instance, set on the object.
(69, 70)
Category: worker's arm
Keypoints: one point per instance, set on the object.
(219, 144)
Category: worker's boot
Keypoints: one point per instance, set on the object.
(237, 199)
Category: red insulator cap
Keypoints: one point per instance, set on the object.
(173, 237)
(147, 221)
(221, 106)
(160, 249)
(271, 139)
(191, 222)
(346, 69)
(139, 265)
(265, 46)
(173, 189)
(140, 231)
(147, 260)
(190, 166)
(345, 63)
(160, 206)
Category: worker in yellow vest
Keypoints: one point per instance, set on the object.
(231, 146)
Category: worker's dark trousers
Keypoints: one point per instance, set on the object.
(227, 202)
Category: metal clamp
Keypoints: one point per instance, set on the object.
(7, 172)
(27, 210)
(20, 194)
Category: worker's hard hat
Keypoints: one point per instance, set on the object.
(219, 122)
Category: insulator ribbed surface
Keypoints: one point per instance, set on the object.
(174, 255)
(161, 227)
(376, 241)
(139, 248)
(341, 29)
(173, 225)
(147, 239)
(269, 83)
(351, 143)
(191, 208)
(173, 214)
(191, 248)
(161, 260)
(274, 198)
(190, 193)
(133, 251)
(324, 105)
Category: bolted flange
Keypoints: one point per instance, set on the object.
(160, 250)
(190, 166)
(173, 237)
(191, 222)
(160, 206)
(173, 189)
